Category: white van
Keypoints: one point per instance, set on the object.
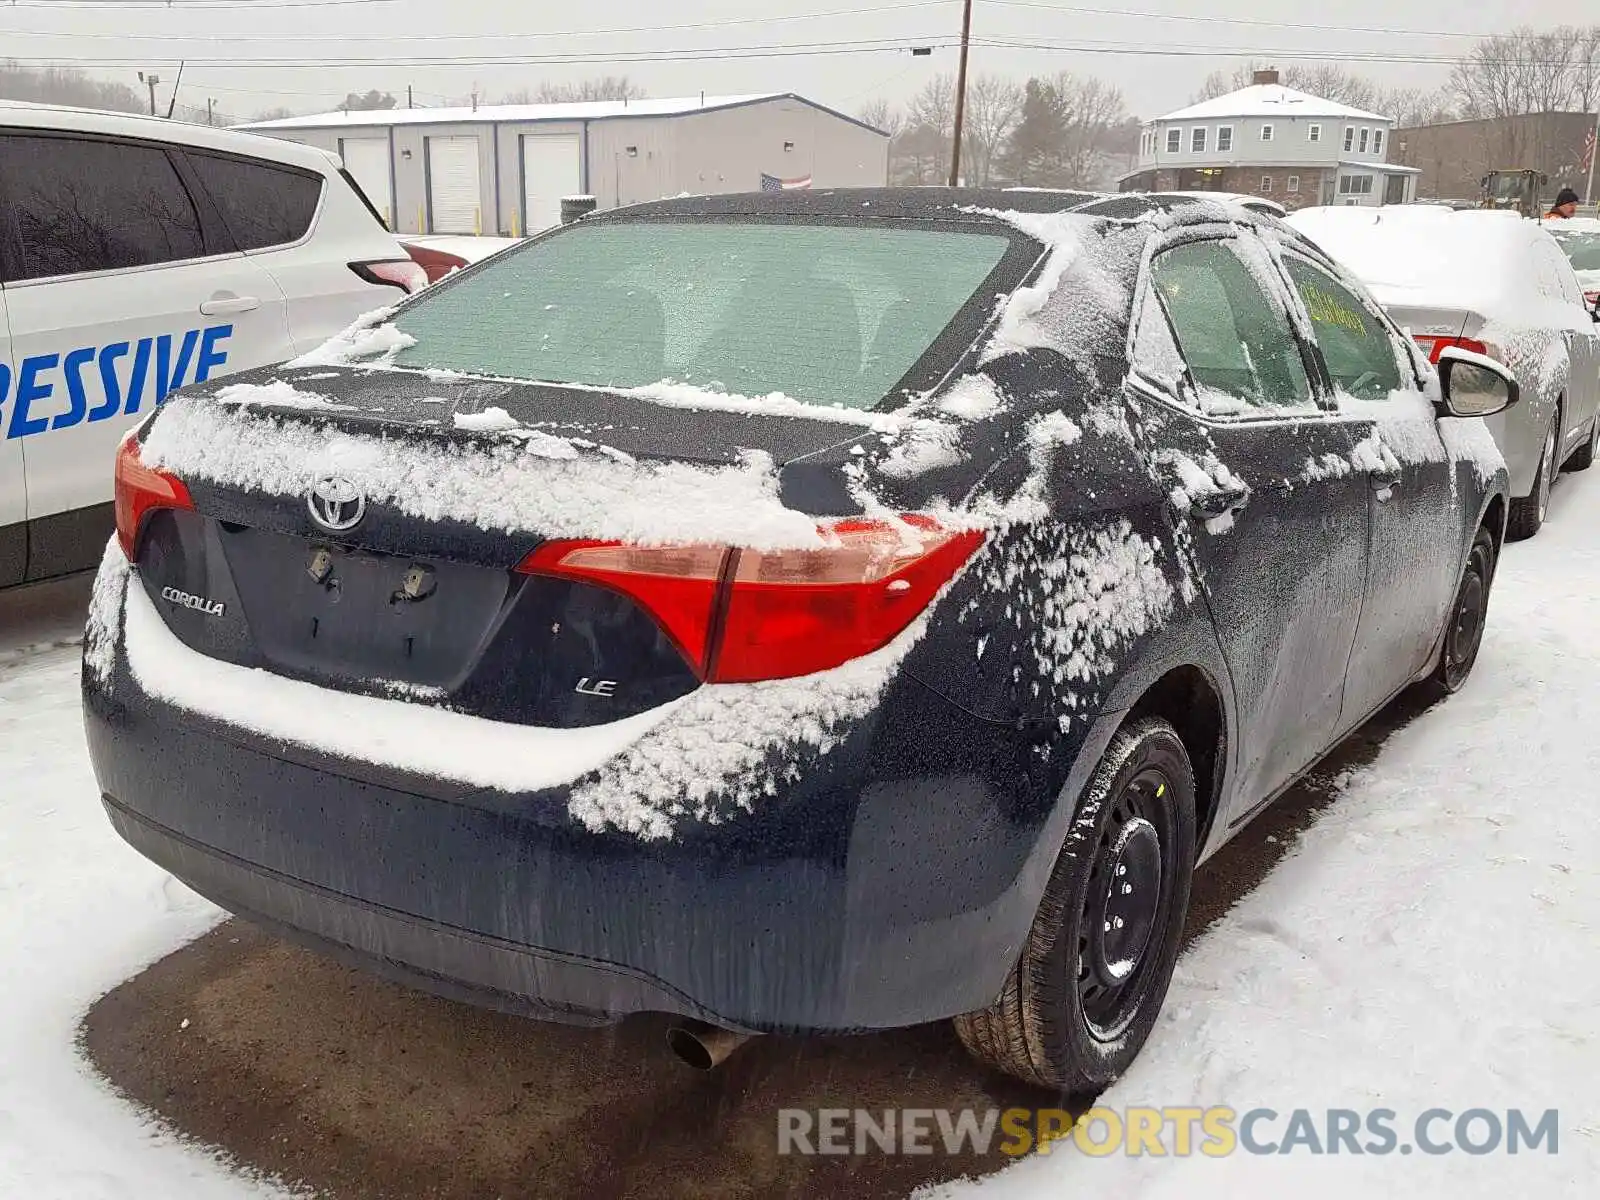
(138, 255)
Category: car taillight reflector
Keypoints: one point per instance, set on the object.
(140, 490)
(1436, 346)
(743, 615)
(404, 273)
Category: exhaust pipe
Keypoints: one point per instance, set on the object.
(704, 1047)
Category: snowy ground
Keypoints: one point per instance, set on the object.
(1432, 944)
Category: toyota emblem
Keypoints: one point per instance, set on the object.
(336, 504)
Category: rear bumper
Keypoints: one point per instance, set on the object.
(892, 884)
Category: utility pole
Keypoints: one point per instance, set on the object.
(150, 82)
(961, 93)
(211, 106)
(408, 96)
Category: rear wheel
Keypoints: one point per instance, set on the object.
(1463, 631)
(1095, 967)
(1528, 514)
(1583, 457)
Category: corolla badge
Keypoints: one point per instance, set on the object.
(337, 505)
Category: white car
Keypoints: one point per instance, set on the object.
(138, 255)
(1490, 282)
(1579, 239)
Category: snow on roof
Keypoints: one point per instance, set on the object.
(1412, 255)
(591, 110)
(1268, 100)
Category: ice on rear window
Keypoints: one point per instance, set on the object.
(821, 314)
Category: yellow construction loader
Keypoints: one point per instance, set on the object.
(1513, 189)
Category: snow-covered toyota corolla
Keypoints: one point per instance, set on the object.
(802, 612)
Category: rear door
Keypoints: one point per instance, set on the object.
(123, 289)
(551, 169)
(1257, 466)
(1416, 519)
(13, 488)
(454, 193)
(1583, 374)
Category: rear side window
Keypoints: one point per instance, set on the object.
(1356, 347)
(1237, 344)
(261, 204)
(82, 205)
(831, 314)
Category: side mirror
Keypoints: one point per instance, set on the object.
(1473, 385)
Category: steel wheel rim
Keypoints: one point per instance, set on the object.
(1466, 626)
(1126, 907)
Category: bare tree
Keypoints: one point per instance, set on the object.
(931, 116)
(1410, 107)
(881, 114)
(606, 87)
(994, 106)
(1529, 71)
(1095, 113)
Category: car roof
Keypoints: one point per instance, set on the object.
(936, 203)
(20, 114)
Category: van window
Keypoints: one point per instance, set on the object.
(83, 205)
(262, 204)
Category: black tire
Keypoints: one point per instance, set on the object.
(1463, 630)
(1526, 516)
(1077, 1007)
(1583, 457)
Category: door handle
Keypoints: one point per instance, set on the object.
(1223, 502)
(223, 305)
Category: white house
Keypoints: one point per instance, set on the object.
(1273, 141)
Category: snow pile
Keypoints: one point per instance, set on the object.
(103, 631)
(369, 336)
(1197, 481)
(972, 398)
(927, 447)
(540, 485)
(406, 736)
(490, 420)
(1038, 315)
(684, 395)
(276, 394)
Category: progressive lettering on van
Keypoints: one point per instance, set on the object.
(102, 382)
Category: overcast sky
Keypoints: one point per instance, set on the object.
(113, 38)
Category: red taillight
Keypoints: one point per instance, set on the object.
(436, 264)
(1592, 298)
(139, 490)
(1436, 345)
(744, 615)
(403, 273)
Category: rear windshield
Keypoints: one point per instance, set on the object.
(828, 314)
(1583, 249)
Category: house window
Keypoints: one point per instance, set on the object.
(1365, 135)
(1313, 133)
(1349, 138)
(1293, 186)
(1266, 133)
(1197, 141)
(1174, 141)
(1266, 185)
(1355, 185)
(1224, 138)
(1377, 141)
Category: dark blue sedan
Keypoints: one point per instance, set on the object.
(811, 612)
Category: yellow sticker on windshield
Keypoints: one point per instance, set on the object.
(1326, 309)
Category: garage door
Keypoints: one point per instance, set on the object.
(453, 185)
(551, 169)
(367, 159)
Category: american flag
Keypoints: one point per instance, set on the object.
(1588, 151)
(771, 183)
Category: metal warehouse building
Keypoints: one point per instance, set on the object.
(504, 169)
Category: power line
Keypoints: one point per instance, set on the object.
(898, 45)
(1258, 22)
(473, 37)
